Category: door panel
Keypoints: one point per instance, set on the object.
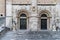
(43, 24)
(23, 23)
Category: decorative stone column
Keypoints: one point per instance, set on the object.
(33, 20)
(9, 14)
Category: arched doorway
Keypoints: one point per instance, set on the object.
(43, 22)
(23, 21)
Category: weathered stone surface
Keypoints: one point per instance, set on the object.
(2, 7)
(21, 1)
(46, 1)
(38, 35)
(31, 35)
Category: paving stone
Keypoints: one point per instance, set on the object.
(32, 35)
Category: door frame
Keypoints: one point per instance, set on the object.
(41, 24)
(48, 22)
(49, 16)
(18, 18)
(18, 23)
(26, 22)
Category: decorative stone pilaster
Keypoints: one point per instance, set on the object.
(33, 20)
(8, 14)
(33, 23)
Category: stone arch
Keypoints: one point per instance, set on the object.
(45, 12)
(22, 11)
(48, 16)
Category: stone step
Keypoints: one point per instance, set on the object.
(38, 35)
(32, 35)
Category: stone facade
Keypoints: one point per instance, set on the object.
(33, 9)
(2, 7)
